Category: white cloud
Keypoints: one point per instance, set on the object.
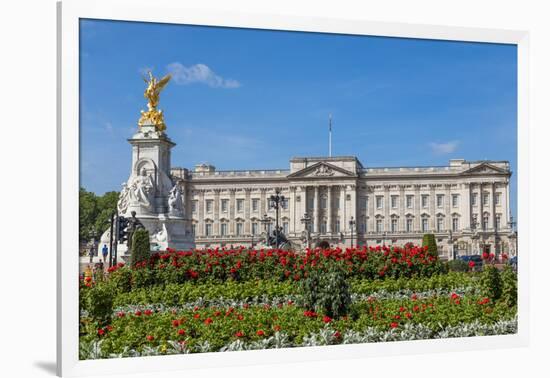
(444, 148)
(199, 73)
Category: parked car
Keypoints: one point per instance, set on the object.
(478, 261)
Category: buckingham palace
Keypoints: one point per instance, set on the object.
(328, 201)
(466, 204)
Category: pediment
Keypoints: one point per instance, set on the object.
(484, 168)
(322, 170)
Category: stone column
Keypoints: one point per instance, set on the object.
(263, 204)
(200, 209)
(417, 206)
(401, 204)
(493, 215)
(292, 210)
(316, 209)
(329, 209)
(247, 222)
(467, 214)
(432, 204)
(232, 227)
(387, 205)
(370, 209)
(447, 206)
(343, 214)
(216, 228)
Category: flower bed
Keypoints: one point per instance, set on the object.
(219, 327)
(220, 300)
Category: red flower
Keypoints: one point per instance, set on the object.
(394, 325)
(181, 332)
(397, 317)
(208, 321)
(197, 315)
(471, 264)
(150, 337)
(457, 301)
(100, 332)
(337, 334)
(408, 315)
(109, 328)
(485, 255)
(277, 328)
(260, 332)
(121, 314)
(402, 309)
(239, 334)
(175, 323)
(138, 313)
(454, 296)
(147, 312)
(327, 319)
(414, 297)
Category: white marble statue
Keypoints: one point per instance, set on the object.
(123, 199)
(161, 238)
(175, 201)
(142, 189)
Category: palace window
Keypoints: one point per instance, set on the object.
(424, 224)
(455, 224)
(439, 199)
(474, 221)
(425, 198)
(409, 225)
(208, 229)
(474, 199)
(379, 202)
(223, 229)
(497, 221)
(337, 225)
(240, 205)
(410, 201)
(285, 228)
(239, 228)
(323, 229)
(497, 198)
(194, 206)
(454, 200)
(209, 206)
(439, 224)
(254, 228)
(485, 199)
(194, 229)
(486, 222)
(224, 205)
(323, 202)
(337, 203)
(255, 204)
(394, 201)
(394, 225)
(310, 203)
(284, 204)
(363, 226)
(379, 225)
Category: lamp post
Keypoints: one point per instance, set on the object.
(351, 227)
(275, 202)
(306, 221)
(512, 224)
(265, 221)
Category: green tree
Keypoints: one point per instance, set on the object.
(95, 212)
(429, 240)
(141, 248)
(88, 210)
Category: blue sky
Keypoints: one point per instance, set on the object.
(249, 99)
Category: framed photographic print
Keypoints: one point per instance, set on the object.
(268, 188)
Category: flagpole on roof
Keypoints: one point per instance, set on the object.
(330, 135)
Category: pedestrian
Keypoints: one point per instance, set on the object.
(105, 252)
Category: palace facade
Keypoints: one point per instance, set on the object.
(466, 204)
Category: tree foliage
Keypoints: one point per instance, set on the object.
(429, 240)
(141, 249)
(95, 212)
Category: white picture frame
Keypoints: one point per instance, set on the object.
(69, 14)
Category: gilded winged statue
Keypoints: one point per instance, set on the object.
(154, 87)
(152, 93)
